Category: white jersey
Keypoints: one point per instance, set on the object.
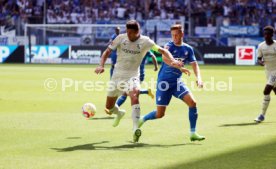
(129, 55)
(268, 53)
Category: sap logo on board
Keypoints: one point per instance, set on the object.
(46, 51)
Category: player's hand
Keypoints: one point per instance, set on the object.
(261, 62)
(177, 63)
(186, 71)
(156, 69)
(199, 83)
(99, 70)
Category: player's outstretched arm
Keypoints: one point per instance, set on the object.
(197, 73)
(105, 55)
(169, 58)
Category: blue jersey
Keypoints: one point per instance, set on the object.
(142, 66)
(113, 55)
(184, 53)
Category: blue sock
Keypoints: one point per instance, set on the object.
(144, 91)
(111, 71)
(193, 118)
(121, 100)
(150, 116)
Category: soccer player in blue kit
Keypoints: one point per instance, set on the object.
(169, 82)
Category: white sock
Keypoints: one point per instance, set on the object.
(135, 115)
(114, 110)
(265, 104)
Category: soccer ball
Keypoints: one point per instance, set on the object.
(88, 110)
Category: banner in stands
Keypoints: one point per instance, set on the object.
(64, 41)
(216, 55)
(16, 40)
(162, 25)
(46, 54)
(86, 54)
(12, 54)
(239, 30)
(204, 31)
(244, 41)
(245, 55)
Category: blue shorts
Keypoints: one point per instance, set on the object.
(166, 90)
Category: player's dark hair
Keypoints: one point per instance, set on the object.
(177, 27)
(133, 24)
(270, 29)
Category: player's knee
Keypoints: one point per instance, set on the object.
(134, 99)
(192, 103)
(108, 107)
(267, 90)
(160, 115)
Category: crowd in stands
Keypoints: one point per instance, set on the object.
(203, 12)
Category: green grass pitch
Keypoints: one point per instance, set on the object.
(42, 129)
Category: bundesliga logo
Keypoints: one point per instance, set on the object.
(245, 53)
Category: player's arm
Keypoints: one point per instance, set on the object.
(154, 60)
(105, 55)
(182, 69)
(112, 46)
(260, 56)
(166, 54)
(197, 74)
(192, 59)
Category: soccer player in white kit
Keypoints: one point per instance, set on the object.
(267, 58)
(131, 48)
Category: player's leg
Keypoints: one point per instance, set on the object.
(271, 82)
(111, 107)
(121, 100)
(163, 98)
(155, 114)
(145, 91)
(148, 92)
(134, 98)
(274, 89)
(193, 116)
(182, 92)
(111, 70)
(133, 92)
(266, 101)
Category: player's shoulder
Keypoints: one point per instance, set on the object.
(261, 44)
(185, 45)
(123, 35)
(145, 38)
(169, 44)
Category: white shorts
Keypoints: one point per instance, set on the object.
(271, 78)
(118, 87)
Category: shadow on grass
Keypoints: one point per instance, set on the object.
(244, 124)
(73, 138)
(239, 124)
(101, 118)
(255, 157)
(96, 146)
